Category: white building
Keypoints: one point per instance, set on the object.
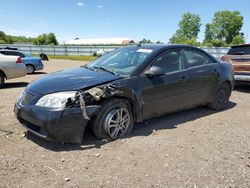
(100, 41)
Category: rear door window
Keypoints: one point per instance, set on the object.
(195, 58)
(14, 53)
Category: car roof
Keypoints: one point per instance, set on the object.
(157, 47)
(241, 45)
(10, 50)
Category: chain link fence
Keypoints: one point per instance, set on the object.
(73, 50)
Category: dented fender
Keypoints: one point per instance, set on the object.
(91, 100)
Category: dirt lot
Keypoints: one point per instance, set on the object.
(193, 148)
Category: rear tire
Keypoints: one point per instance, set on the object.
(30, 69)
(221, 98)
(114, 120)
(2, 80)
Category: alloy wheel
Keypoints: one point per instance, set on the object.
(117, 122)
(30, 69)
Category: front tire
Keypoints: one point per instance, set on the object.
(221, 98)
(114, 120)
(2, 80)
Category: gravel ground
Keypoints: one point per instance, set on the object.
(193, 148)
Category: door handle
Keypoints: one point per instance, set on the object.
(216, 72)
(183, 78)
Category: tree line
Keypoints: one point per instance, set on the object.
(43, 39)
(224, 30)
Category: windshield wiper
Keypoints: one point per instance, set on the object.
(86, 67)
(104, 69)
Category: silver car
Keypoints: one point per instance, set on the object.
(11, 67)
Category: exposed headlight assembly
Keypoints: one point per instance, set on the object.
(55, 100)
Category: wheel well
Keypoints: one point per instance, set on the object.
(31, 65)
(131, 105)
(1, 72)
(130, 102)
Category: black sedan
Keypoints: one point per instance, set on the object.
(128, 85)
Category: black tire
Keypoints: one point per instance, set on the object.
(30, 69)
(2, 80)
(221, 98)
(99, 122)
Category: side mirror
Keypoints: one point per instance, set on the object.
(154, 71)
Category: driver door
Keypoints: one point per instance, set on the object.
(167, 92)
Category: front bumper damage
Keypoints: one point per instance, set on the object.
(65, 125)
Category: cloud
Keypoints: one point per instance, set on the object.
(99, 6)
(80, 4)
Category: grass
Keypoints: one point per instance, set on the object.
(77, 58)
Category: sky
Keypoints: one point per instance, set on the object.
(156, 20)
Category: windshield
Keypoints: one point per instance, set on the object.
(122, 61)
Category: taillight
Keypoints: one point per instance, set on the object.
(19, 60)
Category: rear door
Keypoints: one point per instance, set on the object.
(165, 93)
(204, 75)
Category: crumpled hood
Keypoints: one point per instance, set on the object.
(70, 80)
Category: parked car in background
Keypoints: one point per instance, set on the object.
(11, 67)
(125, 86)
(99, 53)
(32, 63)
(239, 56)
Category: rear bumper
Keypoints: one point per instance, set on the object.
(242, 77)
(39, 66)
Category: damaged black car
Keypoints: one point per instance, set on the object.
(123, 87)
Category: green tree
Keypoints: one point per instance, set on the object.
(46, 39)
(51, 39)
(21, 39)
(145, 41)
(5, 39)
(189, 28)
(224, 27)
(238, 39)
(215, 43)
(159, 42)
(209, 35)
(2, 37)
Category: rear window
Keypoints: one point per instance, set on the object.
(244, 50)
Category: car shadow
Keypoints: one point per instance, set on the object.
(146, 128)
(15, 85)
(242, 88)
(34, 73)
